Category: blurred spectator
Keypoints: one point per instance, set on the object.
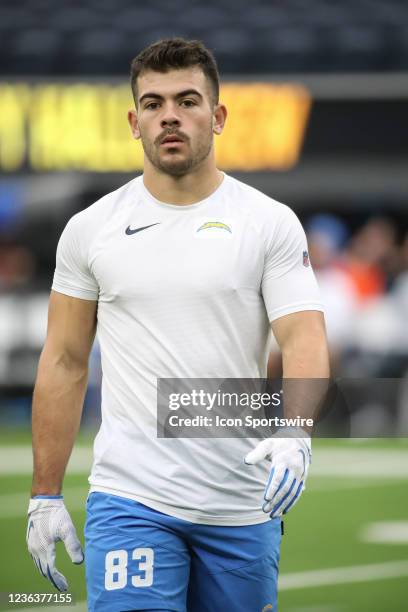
(364, 287)
(371, 260)
(327, 236)
(381, 327)
(16, 266)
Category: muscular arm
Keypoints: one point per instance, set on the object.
(60, 388)
(305, 358)
(302, 339)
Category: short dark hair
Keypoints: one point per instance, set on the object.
(173, 54)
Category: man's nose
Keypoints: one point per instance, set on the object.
(170, 117)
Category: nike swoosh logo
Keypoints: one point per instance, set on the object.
(130, 232)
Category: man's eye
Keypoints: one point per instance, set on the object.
(188, 103)
(152, 105)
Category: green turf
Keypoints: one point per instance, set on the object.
(381, 596)
(322, 531)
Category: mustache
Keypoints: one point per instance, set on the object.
(166, 133)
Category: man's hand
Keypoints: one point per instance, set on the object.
(48, 523)
(289, 451)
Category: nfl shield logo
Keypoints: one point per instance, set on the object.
(306, 261)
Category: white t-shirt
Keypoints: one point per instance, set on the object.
(190, 296)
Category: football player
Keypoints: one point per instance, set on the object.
(184, 272)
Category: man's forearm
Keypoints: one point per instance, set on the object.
(306, 375)
(57, 407)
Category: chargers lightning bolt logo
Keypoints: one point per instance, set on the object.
(216, 224)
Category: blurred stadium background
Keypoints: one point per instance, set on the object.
(317, 92)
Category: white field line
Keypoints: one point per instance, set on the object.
(324, 484)
(298, 580)
(15, 460)
(343, 575)
(366, 463)
(16, 504)
(346, 462)
(78, 607)
(331, 470)
(385, 532)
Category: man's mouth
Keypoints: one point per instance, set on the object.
(172, 140)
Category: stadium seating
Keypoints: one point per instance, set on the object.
(260, 37)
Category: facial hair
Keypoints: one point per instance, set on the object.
(173, 165)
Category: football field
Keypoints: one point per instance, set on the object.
(345, 546)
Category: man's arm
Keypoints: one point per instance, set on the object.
(302, 339)
(305, 359)
(60, 388)
(57, 407)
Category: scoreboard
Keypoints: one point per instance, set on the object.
(83, 126)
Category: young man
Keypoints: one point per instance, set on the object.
(182, 271)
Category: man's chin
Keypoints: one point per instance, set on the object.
(174, 166)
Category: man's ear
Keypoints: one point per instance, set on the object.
(219, 118)
(134, 124)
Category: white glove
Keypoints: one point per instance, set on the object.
(48, 523)
(290, 453)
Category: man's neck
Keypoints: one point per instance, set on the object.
(183, 190)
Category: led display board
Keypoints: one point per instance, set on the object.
(83, 126)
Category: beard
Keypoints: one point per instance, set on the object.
(176, 164)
